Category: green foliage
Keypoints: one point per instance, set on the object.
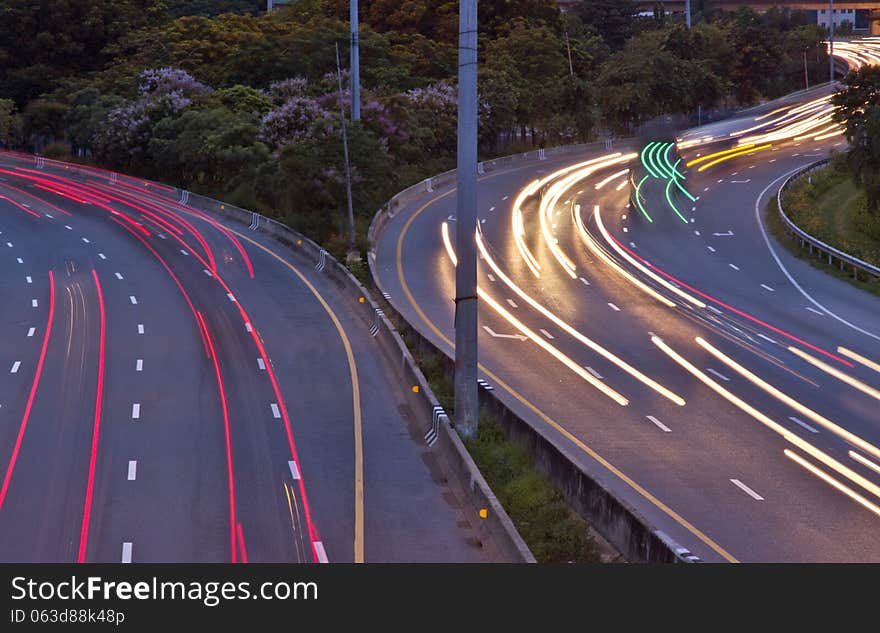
(8, 122)
(552, 530)
(858, 107)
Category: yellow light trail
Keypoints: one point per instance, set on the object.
(819, 419)
(729, 156)
(766, 421)
(605, 181)
(535, 338)
(635, 263)
(821, 474)
(867, 362)
(855, 383)
(591, 344)
(601, 254)
(701, 159)
(865, 461)
(519, 230)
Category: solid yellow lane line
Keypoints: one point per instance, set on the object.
(356, 402)
(552, 423)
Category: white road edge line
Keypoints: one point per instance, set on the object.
(785, 270)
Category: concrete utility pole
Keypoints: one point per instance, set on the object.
(831, 42)
(352, 247)
(687, 13)
(466, 403)
(355, 64)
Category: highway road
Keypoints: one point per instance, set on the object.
(173, 388)
(723, 388)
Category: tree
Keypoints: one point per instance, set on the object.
(8, 122)
(614, 20)
(858, 108)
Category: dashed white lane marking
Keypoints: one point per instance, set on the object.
(119, 276)
(68, 227)
(15, 367)
(276, 413)
(623, 217)
(139, 365)
(319, 551)
(183, 252)
(9, 244)
(133, 300)
(512, 303)
(734, 266)
(248, 327)
(491, 277)
(86, 240)
(767, 338)
(28, 279)
(126, 552)
(132, 469)
(547, 334)
(231, 297)
(714, 309)
(31, 331)
(35, 303)
(140, 328)
(491, 208)
(768, 288)
(614, 307)
(162, 236)
(135, 411)
(803, 424)
(505, 197)
(814, 311)
(102, 256)
(625, 230)
(584, 281)
(594, 372)
(720, 180)
(711, 249)
(294, 471)
(207, 272)
(261, 364)
(772, 160)
(51, 217)
(706, 189)
(19, 260)
(659, 424)
(718, 374)
(696, 232)
(754, 495)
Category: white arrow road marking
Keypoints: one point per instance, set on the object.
(494, 334)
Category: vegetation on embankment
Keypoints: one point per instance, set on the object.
(554, 532)
(831, 207)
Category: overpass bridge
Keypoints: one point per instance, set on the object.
(678, 6)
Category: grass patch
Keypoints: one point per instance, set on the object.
(832, 209)
(793, 246)
(554, 532)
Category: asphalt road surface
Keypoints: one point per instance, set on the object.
(175, 389)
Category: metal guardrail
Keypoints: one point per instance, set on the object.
(815, 244)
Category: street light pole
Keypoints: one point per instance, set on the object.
(355, 65)
(806, 75)
(352, 247)
(687, 13)
(831, 42)
(465, 383)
